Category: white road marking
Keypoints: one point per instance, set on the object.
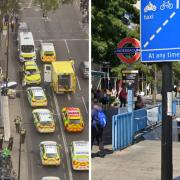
(172, 15)
(152, 37)
(177, 4)
(165, 22)
(84, 104)
(78, 83)
(67, 46)
(146, 44)
(65, 177)
(63, 137)
(158, 30)
(59, 137)
(54, 40)
(68, 96)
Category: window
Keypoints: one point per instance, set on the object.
(64, 81)
(27, 48)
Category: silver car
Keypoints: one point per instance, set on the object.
(84, 69)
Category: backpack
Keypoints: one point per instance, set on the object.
(102, 119)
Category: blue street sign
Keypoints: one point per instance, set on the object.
(160, 32)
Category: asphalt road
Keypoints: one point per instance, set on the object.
(63, 29)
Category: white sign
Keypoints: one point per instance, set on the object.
(152, 115)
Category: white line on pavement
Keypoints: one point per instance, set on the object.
(68, 96)
(63, 137)
(53, 40)
(65, 177)
(78, 83)
(67, 47)
(84, 104)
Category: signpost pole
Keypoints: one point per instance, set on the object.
(166, 142)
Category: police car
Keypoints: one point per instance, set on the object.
(36, 97)
(47, 52)
(50, 178)
(72, 119)
(43, 120)
(50, 153)
(31, 74)
(80, 155)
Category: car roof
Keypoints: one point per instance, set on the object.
(26, 38)
(86, 64)
(81, 147)
(61, 67)
(47, 46)
(37, 91)
(23, 25)
(45, 116)
(28, 63)
(73, 112)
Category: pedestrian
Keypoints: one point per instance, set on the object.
(12, 25)
(1, 141)
(139, 103)
(23, 135)
(10, 144)
(123, 97)
(17, 122)
(97, 127)
(105, 99)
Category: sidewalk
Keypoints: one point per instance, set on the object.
(13, 108)
(141, 161)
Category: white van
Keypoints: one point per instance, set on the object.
(26, 47)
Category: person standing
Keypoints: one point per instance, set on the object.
(139, 103)
(12, 25)
(17, 122)
(10, 143)
(98, 125)
(23, 135)
(123, 97)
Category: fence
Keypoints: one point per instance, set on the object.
(126, 125)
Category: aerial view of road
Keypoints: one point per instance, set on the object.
(63, 29)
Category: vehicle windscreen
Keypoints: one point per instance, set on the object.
(27, 48)
(74, 121)
(39, 97)
(49, 53)
(64, 81)
(31, 71)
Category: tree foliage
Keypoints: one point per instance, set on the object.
(50, 5)
(109, 26)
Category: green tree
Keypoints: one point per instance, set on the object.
(50, 5)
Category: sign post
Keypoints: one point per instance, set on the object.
(160, 43)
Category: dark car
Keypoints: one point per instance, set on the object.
(84, 69)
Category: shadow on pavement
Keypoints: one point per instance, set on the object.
(100, 154)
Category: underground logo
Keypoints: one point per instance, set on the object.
(128, 50)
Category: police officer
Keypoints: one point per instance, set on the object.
(17, 122)
(23, 135)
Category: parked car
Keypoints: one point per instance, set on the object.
(84, 69)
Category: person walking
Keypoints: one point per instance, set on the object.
(17, 122)
(12, 25)
(10, 143)
(23, 135)
(1, 141)
(98, 125)
(123, 97)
